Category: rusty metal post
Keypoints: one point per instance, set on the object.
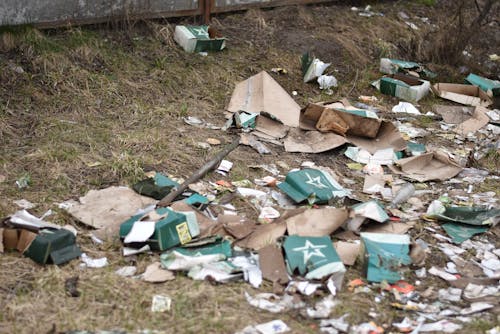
(207, 10)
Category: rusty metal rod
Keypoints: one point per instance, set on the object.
(165, 201)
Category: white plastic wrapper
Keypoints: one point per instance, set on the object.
(315, 70)
(327, 81)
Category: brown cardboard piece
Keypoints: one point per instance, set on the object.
(107, 209)
(478, 120)
(262, 94)
(263, 235)
(156, 274)
(463, 94)
(10, 238)
(272, 264)
(426, 167)
(388, 136)
(389, 227)
(453, 114)
(346, 235)
(271, 127)
(347, 251)
(316, 222)
(25, 239)
(312, 141)
(237, 226)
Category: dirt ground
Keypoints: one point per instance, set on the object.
(89, 107)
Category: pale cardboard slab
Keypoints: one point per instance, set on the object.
(388, 136)
(262, 94)
(347, 251)
(156, 274)
(478, 120)
(463, 94)
(373, 184)
(453, 114)
(312, 141)
(316, 222)
(272, 264)
(426, 167)
(263, 235)
(107, 209)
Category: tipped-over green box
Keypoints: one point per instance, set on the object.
(53, 246)
(197, 39)
(173, 229)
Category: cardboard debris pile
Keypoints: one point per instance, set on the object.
(311, 223)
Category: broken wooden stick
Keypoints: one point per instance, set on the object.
(165, 201)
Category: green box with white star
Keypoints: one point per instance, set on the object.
(313, 257)
(197, 39)
(312, 184)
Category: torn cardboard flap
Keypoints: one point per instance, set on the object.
(478, 120)
(271, 127)
(107, 208)
(453, 114)
(348, 251)
(426, 167)
(312, 141)
(263, 235)
(262, 94)
(388, 136)
(316, 222)
(463, 94)
(25, 239)
(237, 226)
(272, 264)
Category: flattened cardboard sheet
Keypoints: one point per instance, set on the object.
(262, 94)
(312, 141)
(316, 222)
(426, 167)
(388, 136)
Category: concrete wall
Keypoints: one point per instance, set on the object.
(57, 12)
(53, 13)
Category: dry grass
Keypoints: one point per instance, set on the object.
(99, 106)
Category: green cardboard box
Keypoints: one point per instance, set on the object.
(384, 254)
(491, 87)
(197, 39)
(403, 86)
(313, 257)
(174, 229)
(53, 246)
(393, 66)
(311, 184)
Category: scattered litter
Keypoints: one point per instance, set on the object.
(274, 303)
(199, 38)
(155, 274)
(161, 303)
(93, 263)
(406, 107)
(127, 271)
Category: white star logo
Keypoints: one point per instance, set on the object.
(316, 181)
(310, 250)
(200, 31)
